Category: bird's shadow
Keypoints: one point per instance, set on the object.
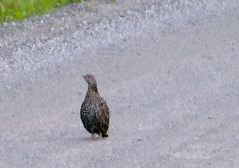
(84, 139)
(90, 139)
(78, 140)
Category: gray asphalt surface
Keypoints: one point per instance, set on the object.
(170, 74)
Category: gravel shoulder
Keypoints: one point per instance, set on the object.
(171, 84)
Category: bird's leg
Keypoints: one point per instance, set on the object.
(93, 136)
(100, 135)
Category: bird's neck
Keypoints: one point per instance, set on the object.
(92, 89)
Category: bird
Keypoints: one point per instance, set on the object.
(95, 113)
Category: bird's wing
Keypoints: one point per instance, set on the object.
(104, 111)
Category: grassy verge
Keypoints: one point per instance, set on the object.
(20, 9)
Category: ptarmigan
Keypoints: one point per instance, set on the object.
(94, 110)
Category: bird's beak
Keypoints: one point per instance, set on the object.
(84, 77)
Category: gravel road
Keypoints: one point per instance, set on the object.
(169, 71)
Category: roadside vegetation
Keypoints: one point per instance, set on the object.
(11, 10)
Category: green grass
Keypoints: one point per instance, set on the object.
(20, 9)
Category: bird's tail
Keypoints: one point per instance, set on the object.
(104, 135)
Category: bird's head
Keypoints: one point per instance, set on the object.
(90, 79)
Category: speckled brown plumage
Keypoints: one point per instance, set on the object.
(94, 110)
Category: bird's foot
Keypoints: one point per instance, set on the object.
(93, 137)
